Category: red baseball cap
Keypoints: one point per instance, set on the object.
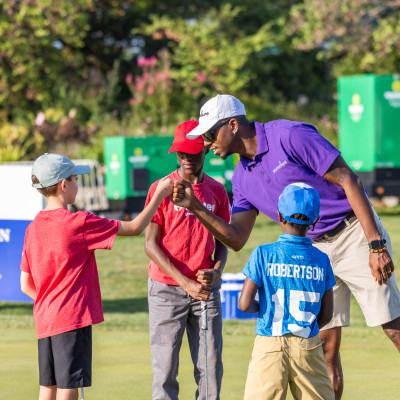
(182, 143)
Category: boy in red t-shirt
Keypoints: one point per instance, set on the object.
(59, 272)
(185, 268)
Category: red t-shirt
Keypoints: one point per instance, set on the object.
(59, 254)
(183, 238)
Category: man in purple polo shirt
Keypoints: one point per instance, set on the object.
(274, 155)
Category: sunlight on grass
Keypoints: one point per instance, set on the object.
(121, 350)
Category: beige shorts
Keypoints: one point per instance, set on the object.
(282, 361)
(349, 255)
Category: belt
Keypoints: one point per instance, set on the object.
(350, 218)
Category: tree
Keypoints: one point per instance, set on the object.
(38, 42)
(355, 36)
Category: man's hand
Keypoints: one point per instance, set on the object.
(381, 266)
(197, 290)
(208, 276)
(183, 194)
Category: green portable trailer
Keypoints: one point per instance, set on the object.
(133, 164)
(369, 130)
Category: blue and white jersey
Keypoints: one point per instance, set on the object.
(292, 277)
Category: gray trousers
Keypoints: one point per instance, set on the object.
(171, 311)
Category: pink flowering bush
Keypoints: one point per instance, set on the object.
(151, 90)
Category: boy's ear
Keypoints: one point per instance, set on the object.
(280, 217)
(312, 226)
(62, 185)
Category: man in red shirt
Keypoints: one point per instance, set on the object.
(185, 268)
(59, 272)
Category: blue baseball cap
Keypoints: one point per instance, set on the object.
(52, 168)
(299, 198)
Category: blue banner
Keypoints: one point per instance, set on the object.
(12, 234)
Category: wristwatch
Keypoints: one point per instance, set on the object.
(377, 244)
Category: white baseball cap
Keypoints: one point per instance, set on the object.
(219, 107)
(52, 168)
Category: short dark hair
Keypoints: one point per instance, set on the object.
(47, 191)
(300, 227)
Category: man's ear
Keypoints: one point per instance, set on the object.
(280, 217)
(234, 124)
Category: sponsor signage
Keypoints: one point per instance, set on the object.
(18, 207)
(12, 235)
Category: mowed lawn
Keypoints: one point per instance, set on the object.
(121, 350)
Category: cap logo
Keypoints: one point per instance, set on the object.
(203, 114)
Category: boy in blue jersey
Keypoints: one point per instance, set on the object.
(294, 281)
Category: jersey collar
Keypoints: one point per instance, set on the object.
(288, 238)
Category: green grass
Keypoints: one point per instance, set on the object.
(121, 350)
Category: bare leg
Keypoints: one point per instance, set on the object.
(392, 330)
(47, 392)
(331, 338)
(67, 394)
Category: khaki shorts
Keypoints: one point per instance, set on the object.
(349, 255)
(282, 361)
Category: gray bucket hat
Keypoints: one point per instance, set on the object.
(53, 168)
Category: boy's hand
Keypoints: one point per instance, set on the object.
(164, 187)
(183, 194)
(197, 290)
(208, 276)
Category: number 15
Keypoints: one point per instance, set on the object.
(295, 297)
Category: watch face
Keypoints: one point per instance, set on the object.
(376, 244)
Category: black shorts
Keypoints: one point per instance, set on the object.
(65, 360)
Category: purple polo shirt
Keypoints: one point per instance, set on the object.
(289, 152)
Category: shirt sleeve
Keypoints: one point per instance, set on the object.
(25, 263)
(24, 260)
(158, 216)
(240, 203)
(308, 148)
(330, 277)
(99, 233)
(252, 269)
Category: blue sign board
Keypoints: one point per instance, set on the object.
(12, 234)
(232, 284)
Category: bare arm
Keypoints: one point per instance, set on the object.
(27, 285)
(247, 302)
(234, 234)
(138, 225)
(340, 174)
(154, 251)
(212, 275)
(326, 312)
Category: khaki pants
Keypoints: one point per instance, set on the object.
(349, 255)
(282, 361)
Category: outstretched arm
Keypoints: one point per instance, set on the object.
(138, 225)
(340, 174)
(154, 251)
(234, 234)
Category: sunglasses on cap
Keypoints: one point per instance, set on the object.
(210, 135)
